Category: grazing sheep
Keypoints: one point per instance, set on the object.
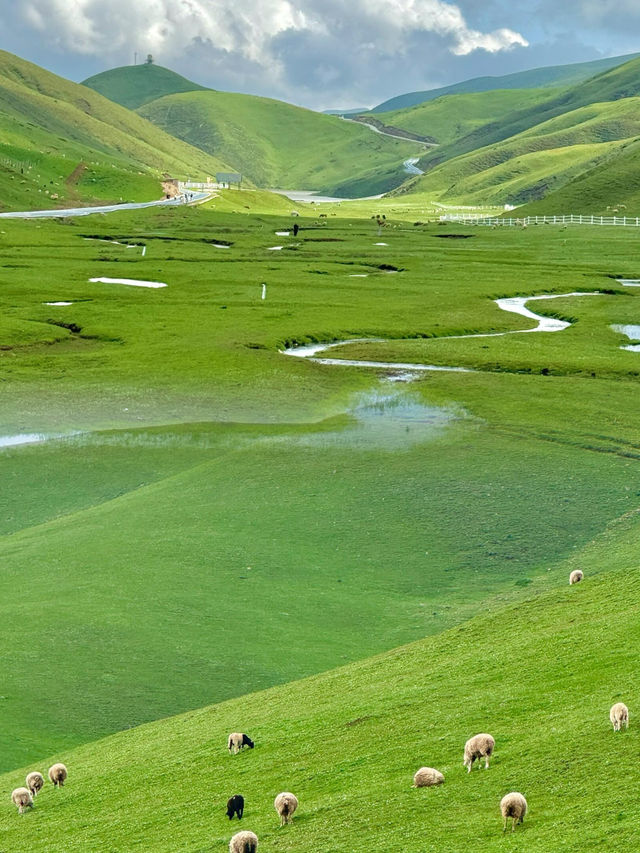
(575, 576)
(513, 806)
(479, 746)
(58, 774)
(21, 798)
(244, 842)
(35, 782)
(285, 804)
(238, 741)
(618, 715)
(426, 777)
(235, 806)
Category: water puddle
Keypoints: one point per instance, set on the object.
(274, 248)
(380, 244)
(30, 438)
(283, 233)
(390, 419)
(113, 242)
(629, 282)
(132, 282)
(632, 332)
(220, 246)
(57, 303)
(23, 438)
(359, 275)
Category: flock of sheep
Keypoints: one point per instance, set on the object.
(513, 806)
(285, 803)
(23, 797)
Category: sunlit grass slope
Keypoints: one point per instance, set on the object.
(539, 675)
(613, 85)
(451, 117)
(135, 85)
(64, 140)
(283, 511)
(611, 188)
(278, 145)
(531, 164)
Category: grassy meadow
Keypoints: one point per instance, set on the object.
(209, 517)
(539, 675)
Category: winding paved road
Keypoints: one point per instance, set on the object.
(108, 208)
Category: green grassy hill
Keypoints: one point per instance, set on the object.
(535, 162)
(540, 676)
(613, 85)
(611, 188)
(549, 76)
(278, 145)
(135, 85)
(63, 140)
(450, 117)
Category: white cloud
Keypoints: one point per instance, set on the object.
(168, 27)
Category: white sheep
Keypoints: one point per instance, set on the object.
(285, 804)
(244, 842)
(21, 798)
(619, 715)
(575, 576)
(513, 806)
(426, 777)
(478, 746)
(35, 782)
(58, 774)
(237, 741)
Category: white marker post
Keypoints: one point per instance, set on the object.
(264, 291)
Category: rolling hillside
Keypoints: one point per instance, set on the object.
(549, 76)
(135, 85)
(451, 117)
(540, 676)
(61, 143)
(611, 188)
(278, 145)
(533, 163)
(613, 85)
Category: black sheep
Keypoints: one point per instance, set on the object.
(235, 806)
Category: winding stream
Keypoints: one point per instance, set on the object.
(513, 304)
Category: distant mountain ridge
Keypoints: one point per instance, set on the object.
(548, 76)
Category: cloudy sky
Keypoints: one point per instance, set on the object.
(320, 54)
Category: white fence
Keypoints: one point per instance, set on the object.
(572, 219)
(198, 185)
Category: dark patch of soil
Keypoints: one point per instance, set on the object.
(74, 177)
(455, 236)
(72, 327)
